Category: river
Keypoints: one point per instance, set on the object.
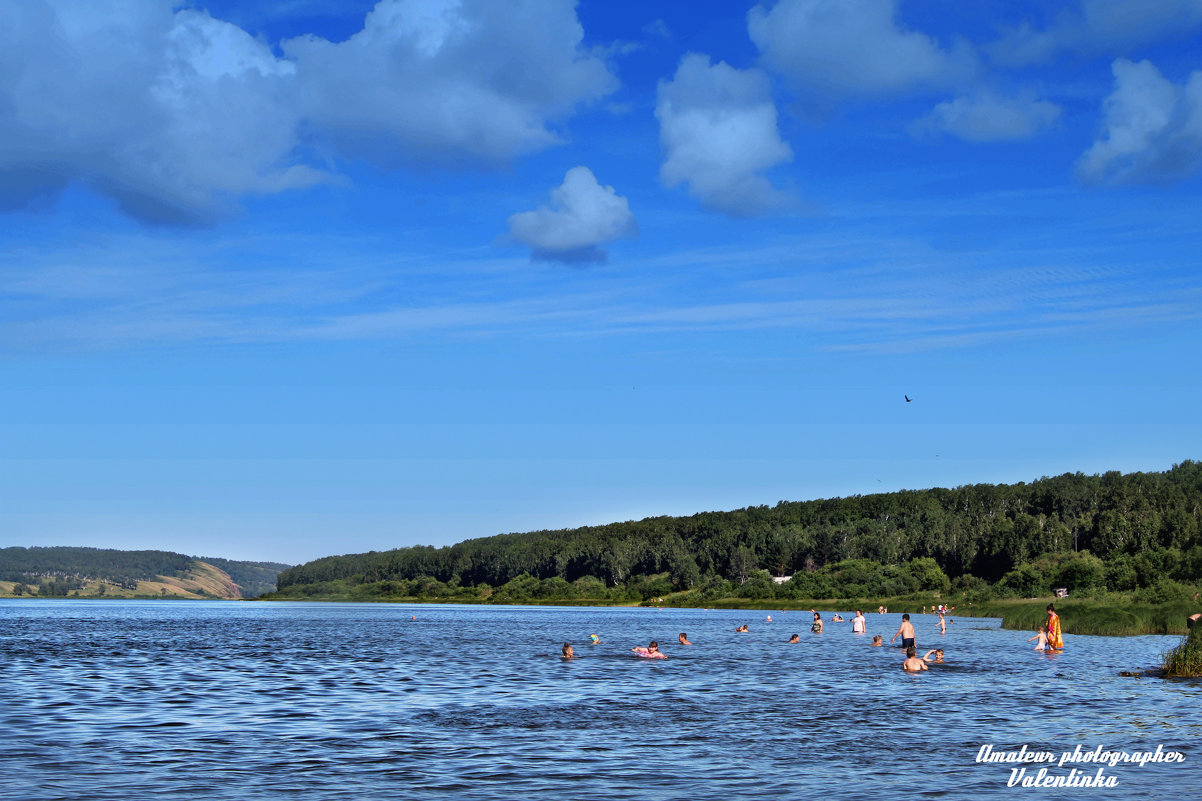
(245, 701)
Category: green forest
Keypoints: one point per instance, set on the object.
(1135, 533)
(56, 571)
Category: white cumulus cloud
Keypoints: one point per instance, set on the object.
(164, 112)
(448, 80)
(987, 116)
(176, 114)
(1153, 128)
(583, 215)
(718, 127)
(840, 48)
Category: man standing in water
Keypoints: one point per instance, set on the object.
(1055, 640)
(906, 632)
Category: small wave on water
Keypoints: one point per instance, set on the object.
(320, 702)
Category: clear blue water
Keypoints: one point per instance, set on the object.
(306, 701)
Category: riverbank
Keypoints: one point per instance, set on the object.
(1118, 615)
(1120, 618)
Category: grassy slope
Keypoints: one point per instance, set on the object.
(202, 581)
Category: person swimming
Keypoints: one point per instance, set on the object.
(742, 629)
(594, 639)
(568, 651)
(650, 652)
(878, 640)
(913, 664)
(795, 638)
(684, 639)
(938, 652)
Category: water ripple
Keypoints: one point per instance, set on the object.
(329, 702)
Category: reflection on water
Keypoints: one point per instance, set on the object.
(254, 700)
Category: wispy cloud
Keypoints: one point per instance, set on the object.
(865, 283)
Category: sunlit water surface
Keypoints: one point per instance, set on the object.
(322, 701)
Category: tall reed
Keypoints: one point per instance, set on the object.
(1186, 658)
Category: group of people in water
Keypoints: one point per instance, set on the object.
(1049, 637)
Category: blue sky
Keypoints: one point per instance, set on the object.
(280, 280)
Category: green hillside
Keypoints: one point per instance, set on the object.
(99, 572)
(1132, 533)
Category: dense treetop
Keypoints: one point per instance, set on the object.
(984, 531)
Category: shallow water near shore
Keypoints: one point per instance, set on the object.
(242, 701)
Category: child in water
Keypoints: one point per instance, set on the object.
(1041, 635)
(650, 652)
(938, 652)
(913, 664)
(568, 651)
(794, 638)
(878, 640)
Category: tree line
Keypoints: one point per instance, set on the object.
(1111, 531)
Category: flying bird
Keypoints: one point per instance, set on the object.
(907, 397)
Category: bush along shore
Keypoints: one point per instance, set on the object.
(1185, 661)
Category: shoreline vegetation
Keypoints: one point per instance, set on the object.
(1117, 617)
(1185, 661)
